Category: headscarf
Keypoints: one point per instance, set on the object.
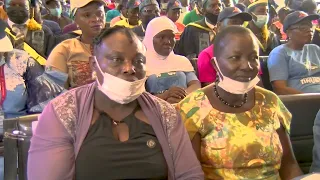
(157, 64)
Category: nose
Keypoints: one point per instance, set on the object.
(247, 66)
(128, 68)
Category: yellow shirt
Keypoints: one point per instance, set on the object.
(125, 23)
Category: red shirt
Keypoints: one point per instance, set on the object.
(180, 28)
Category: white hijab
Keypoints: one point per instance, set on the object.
(157, 64)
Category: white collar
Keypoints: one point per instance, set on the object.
(10, 23)
(211, 26)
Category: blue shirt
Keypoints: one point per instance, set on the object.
(157, 83)
(300, 68)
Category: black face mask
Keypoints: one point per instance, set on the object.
(18, 15)
(212, 18)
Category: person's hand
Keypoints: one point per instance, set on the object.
(172, 100)
(176, 92)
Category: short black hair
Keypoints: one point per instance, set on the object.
(219, 44)
(107, 32)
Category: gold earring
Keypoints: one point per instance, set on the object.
(94, 75)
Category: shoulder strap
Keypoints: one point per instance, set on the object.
(33, 53)
(199, 26)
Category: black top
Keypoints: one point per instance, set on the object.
(194, 39)
(139, 31)
(101, 156)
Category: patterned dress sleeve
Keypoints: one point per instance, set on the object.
(192, 114)
(284, 115)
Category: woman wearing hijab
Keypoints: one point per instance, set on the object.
(68, 63)
(259, 26)
(294, 67)
(237, 129)
(115, 132)
(170, 77)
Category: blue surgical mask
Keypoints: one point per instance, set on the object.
(56, 12)
(261, 20)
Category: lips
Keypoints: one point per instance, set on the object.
(96, 27)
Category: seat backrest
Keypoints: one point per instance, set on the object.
(17, 135)
(194, 62)
(304, 109)
(265, 72)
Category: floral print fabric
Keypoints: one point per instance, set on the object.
(237, 146)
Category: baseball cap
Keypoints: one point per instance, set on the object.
(230, 12)
(174, 4)
(296, 17)
(75, 4)
(145, 3)
(133, 4)
(5, 43)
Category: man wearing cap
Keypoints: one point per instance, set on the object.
(228, 17)
(294, 67)
(132, 14)
(259, 26)
(148, 9)
(199, 35)
(55, 13)
(25, 27)
(173, 12)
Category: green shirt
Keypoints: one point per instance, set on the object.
(192, 16)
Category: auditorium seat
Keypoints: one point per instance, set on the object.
(17, 135)
(304, 109)
(265, 72)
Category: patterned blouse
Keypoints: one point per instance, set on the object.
(237, 146)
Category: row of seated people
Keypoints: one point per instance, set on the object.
(132, 105)
(121, 66)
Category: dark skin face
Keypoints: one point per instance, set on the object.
(148, 13)
(239, 59)
(120, 57)
(53, 4)
(18, 10)
(300, 33)
(133, 16)
(164, 42)
(91, 19)
(261, 10)
(213, 7)
(174, 14)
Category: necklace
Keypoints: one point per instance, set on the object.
(90, 45)
(245, 100)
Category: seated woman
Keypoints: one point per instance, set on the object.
(294, 67)
(239, 130)
(68, 63)
(118, 131)
(259, 26)
(170, 77)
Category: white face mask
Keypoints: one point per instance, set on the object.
(233, 86)
(261, 20)
(119, 90)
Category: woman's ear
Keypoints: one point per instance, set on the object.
(92, 62)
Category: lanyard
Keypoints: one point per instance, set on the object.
(2, 85)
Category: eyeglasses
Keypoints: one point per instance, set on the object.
(302, 27)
